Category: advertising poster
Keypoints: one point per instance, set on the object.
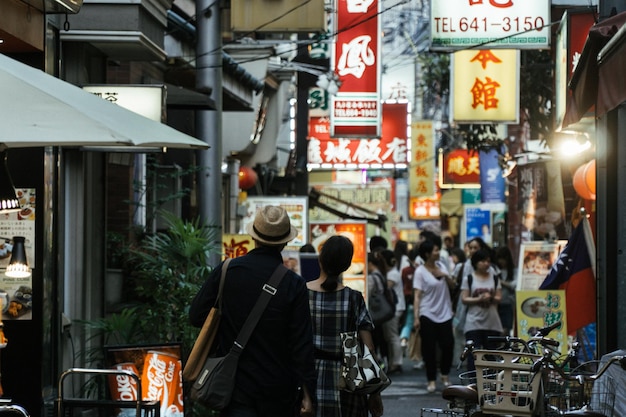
(296, 207)
(542, 308)
(535, 261)
(355, 276)
(478, 224)
(16, 294)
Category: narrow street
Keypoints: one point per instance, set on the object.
(407, 394)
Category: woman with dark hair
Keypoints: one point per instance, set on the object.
(433, 313)
(508, 280)
(481, 292)
(336, 308)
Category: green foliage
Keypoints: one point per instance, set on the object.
(168, 269)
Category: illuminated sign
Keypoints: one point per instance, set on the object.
(485, 86)
(355, 109)
(459, 168)
(390, 151)
(503, 24)
(422, 164)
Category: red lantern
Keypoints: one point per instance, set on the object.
(247, 178)
(590, 176)
(581, 184)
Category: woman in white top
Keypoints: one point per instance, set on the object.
(433, 313)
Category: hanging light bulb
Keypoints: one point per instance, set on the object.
(8, 196)
(18, 265)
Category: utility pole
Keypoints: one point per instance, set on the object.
(209, 122)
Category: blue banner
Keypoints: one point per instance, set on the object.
(491, 180)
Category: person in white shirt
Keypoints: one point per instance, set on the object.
(433, 313)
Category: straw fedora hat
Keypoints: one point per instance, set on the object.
(271, 226)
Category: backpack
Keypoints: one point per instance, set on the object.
(470, 279)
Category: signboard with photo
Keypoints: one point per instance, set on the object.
(296, 207)
(535, 261)
(355, 275)
(16, 293)
(542, 308)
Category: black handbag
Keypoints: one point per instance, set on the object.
(215, 384)
(380, 307)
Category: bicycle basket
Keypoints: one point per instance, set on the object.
(505, 382)
(570, 395)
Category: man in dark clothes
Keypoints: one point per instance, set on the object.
(278, 360)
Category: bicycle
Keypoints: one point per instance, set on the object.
(463, 398)
(516, 367)
(523, 385)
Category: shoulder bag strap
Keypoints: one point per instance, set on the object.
(269, 289)
(218, 301)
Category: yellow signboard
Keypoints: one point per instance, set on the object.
(542, 308)
(422, 162)
(234, 245)
(485, 86)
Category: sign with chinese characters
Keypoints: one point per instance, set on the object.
(148, 101)
(422, 163)
(319, 103)
(424, 208)
(296, 207)
(571, 39)
(390, 151)
(504, 24)
(541, 201)
(485, 86)
(355, 109)
(17, 293)
(354, 276)
(542, 308)
(234, 246)
(459, 168)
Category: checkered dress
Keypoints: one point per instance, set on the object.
(332, 313)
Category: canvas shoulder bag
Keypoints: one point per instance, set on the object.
(204, 342)
(215, 384)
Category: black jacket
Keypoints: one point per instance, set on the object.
(279, 355)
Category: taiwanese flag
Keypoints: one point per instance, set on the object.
(574, 272)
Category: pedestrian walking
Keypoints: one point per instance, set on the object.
(276, 372)
(336, 308)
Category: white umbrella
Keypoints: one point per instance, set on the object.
(37, 109)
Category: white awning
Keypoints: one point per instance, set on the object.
(38, 109)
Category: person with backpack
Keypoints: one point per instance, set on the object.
(481, 292)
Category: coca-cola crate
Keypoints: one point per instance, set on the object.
(123, 406)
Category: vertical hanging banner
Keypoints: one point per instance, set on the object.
(485, 86)
(422, 163)
(491, 179)
(355, 109)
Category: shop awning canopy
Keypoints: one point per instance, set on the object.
(599, 76)
(38, 109)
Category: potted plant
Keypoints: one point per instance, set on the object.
(116, 254)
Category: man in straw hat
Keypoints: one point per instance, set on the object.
(278, 358)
